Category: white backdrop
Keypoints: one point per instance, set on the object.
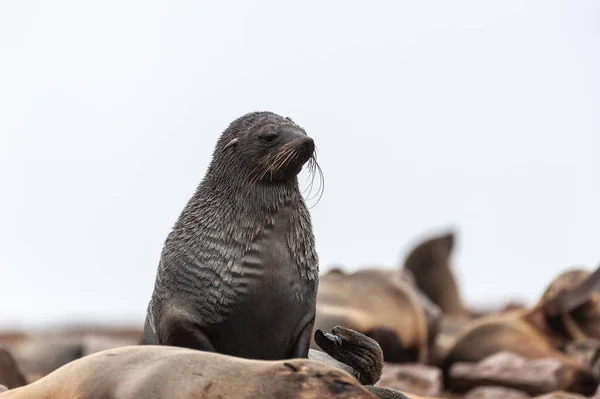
(430, 114)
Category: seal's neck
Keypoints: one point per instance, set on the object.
(254, 199)
(236, 212)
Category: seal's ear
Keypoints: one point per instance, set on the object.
(295, 368)
(570, 299)
(231, 144)
(449, 240)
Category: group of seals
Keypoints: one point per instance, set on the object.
(565, 314)
(158, 372)
(238, 276)
(239, 273)
(400, 308)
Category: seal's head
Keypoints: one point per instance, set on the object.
(314, 380)
(264, 147)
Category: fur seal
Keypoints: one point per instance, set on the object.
(160, 372)
(238, 273)
(380, 304)
(567, 311)
(429, 263)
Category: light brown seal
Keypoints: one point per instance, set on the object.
(380, 304)
(161, 372)
(568, 311)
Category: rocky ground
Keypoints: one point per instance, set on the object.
(26, 357)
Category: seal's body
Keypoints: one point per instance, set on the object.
(380, 304)
(566, 313)
(239, 272)
(158, 372)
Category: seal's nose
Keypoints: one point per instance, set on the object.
(308, 145)
(291, 134)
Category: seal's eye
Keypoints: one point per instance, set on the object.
(339, 386)
(269, 137)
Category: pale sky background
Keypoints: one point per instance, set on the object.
(482, 115)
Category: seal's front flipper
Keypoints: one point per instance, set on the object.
(303, 344)
(185, 333)
(354, 349)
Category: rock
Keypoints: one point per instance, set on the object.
(495, 393)
(10, 373)
(535, 377)
(412, 378)
(587, 353)
(3, 388)
(568, 395)
(561, 395)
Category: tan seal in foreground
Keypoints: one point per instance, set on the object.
(162, 372)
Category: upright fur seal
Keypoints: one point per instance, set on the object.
(161, 372)
(238, 273)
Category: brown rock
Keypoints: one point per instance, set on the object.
(561, 395)
(412, 378)
(568, 395)
(495, 393)
(535, 377)
(587, 353)
(10, 373)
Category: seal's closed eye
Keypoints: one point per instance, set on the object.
(269, 137)
(339, 386)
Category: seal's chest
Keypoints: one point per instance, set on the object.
(270, 269)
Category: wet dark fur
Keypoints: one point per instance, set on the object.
(238, 273)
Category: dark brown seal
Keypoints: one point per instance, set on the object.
(160, 372)
(429, 263)
(238, 273)
(567, 311)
